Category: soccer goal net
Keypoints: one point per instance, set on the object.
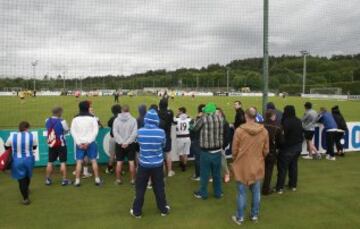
(326, 91)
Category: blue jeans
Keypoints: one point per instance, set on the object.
(210, 163)
(241, 199)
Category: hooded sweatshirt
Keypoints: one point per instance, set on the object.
(249, 149)
(151, 140)
(166, 117)
(293, 132)
(125, 128)
(339, 119)
(140, 119)
(84, 127)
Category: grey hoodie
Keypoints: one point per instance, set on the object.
(125, 128)
(309, 120)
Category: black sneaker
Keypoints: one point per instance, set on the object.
(167, 211)
(197, 195)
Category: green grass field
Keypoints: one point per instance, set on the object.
(327, 196)
(36, 110)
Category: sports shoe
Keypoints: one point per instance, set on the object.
(132, 182)
(211, 180)
(99, 183)
(167, 211)
(171, 173)
(65, 182)
(77, 184)
(132, 214)
(194, 178)
(109, 171)
(254, 219)
(86, 175)
(197, 195)
(307, 157)
(26, 202)
(237, 220)
(317, 156)
(118, 182)
(293, 189)
(280, 191)
(48, 181)
(330, 158)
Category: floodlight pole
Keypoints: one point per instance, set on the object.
(304, 53)
(227, 79)
(64, 82)
(34, 64)
(265, 56)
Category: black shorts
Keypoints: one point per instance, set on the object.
(167, 147)
(128, 153)
(308, 134)
(58, 153)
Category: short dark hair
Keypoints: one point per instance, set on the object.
(116, 109)
(57, 111)
(200, 108)
(24, 125)
(182, 109)
(308, 105)
(154, 107)
(125, 108)
(238, 101)
(268, 114)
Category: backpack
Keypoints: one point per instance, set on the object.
(5, 160)
(53, 140)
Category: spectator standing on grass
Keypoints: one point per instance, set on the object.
(211, 129)
(330, 127)
(152, 140)
(308, 123)
(84, 129)
(250, 147)
(275, 141)
(115, 110)
(125, 131)
(140, 118)
(239, 114)
(226, 145)
(56, 128)
(166, 119)
(195, 144)
(290, 150)
(183, 141)
(341, 129)
(22, 143)
(271, 106)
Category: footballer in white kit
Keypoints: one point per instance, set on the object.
(183, 141)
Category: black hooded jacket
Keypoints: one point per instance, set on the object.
(293, 132)
(339, 119)
(239, 118)
(166, 117)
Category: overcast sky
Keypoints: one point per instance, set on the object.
(99, 37)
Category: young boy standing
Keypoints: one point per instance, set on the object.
(183, 141)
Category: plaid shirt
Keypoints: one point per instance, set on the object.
(211, 131)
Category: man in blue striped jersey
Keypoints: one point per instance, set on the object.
(151, 140)
(22, 144)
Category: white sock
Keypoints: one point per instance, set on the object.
(77, 181)
(86, 170)
(97, 179)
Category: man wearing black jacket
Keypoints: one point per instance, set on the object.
(166, 119)
(275, 140)
(240, 114)
(290, 149)
(342, 129)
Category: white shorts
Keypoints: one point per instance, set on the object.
(183, 146)
(112, 146)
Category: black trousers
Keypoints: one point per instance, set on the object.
(338, 137)
(330, 142)
(157, 179)
(287, 162)
(24, 184)
(270, 161)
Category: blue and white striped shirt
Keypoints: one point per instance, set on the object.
(151, 140)
(22, 144)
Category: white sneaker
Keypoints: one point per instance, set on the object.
(132, 213)
(211, 180)
(171, 173)
(307, 157)
(254, 219)
(87, 175)
(237, 221)
(330, 158)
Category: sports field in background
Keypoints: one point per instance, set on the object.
(327, 196)
(36, 110)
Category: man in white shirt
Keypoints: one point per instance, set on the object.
(183, 141)
(84, 129)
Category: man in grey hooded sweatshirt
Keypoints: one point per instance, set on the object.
(125, 132)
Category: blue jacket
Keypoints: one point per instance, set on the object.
(151, 140)
(327, 120)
